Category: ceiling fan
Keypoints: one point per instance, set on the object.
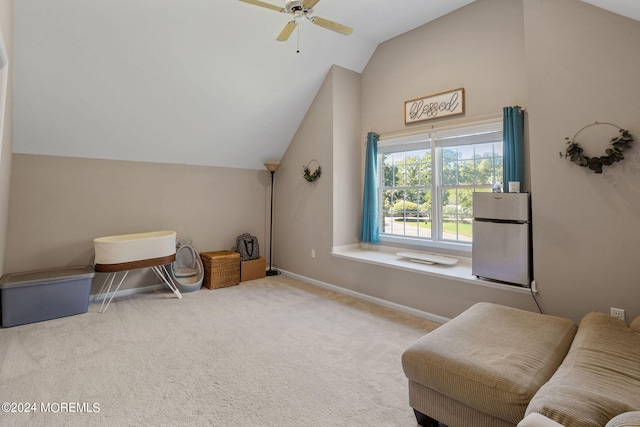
(301, 10)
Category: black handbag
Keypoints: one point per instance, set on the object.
(247, 246)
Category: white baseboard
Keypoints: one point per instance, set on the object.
(374, 300)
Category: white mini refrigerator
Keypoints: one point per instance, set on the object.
(502, 237)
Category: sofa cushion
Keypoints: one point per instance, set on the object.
(599, 378)
(535, 419)
(491, 358)
(628, 419)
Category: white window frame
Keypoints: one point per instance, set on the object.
(433, 139)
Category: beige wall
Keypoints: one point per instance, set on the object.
(582, 67)
(347, 196)
(58, 205)
(479, 47)
(315, 215)
(503, 52)
(6, 25)
(400, 69)
(303, 210)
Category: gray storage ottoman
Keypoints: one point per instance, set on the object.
(44, 294)
(484, 366)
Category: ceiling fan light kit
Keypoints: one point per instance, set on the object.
(301, 10)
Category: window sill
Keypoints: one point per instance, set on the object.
(386, 256)
(420, 245)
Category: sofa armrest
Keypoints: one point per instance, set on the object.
(535, 419)
(627, 419)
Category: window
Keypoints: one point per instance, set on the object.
(427, 181)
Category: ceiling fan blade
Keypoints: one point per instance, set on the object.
(286, 31)
(263, 4)
(330, 25)
(309, 3)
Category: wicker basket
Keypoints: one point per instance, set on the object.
(221, 269)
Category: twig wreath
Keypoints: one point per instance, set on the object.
(311, 176)
(619, 144)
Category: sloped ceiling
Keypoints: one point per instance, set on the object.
(199, 82)
(628, 8)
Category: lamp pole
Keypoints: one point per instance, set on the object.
(272, 168)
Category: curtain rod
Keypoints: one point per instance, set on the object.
(424, 128)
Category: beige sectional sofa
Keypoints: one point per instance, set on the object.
(598, 382)
(499, 366)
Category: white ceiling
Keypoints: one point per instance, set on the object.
(200, 82)
(629, 8)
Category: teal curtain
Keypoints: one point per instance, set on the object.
(369, 228)
(513, 137)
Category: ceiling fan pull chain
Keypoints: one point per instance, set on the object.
(298, 47)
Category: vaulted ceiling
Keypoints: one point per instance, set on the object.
(201, 82)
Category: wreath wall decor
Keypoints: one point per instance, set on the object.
(311, 176)
(619, 144)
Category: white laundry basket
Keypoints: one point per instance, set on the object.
(187, 269)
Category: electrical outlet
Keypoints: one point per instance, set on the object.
(617, 312)
(313, 253)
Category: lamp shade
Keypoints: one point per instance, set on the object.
(272, 167)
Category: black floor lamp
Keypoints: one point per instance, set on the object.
(271, 167)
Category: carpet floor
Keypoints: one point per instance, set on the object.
(269, 352)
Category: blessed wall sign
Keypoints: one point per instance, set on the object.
(434, 106)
